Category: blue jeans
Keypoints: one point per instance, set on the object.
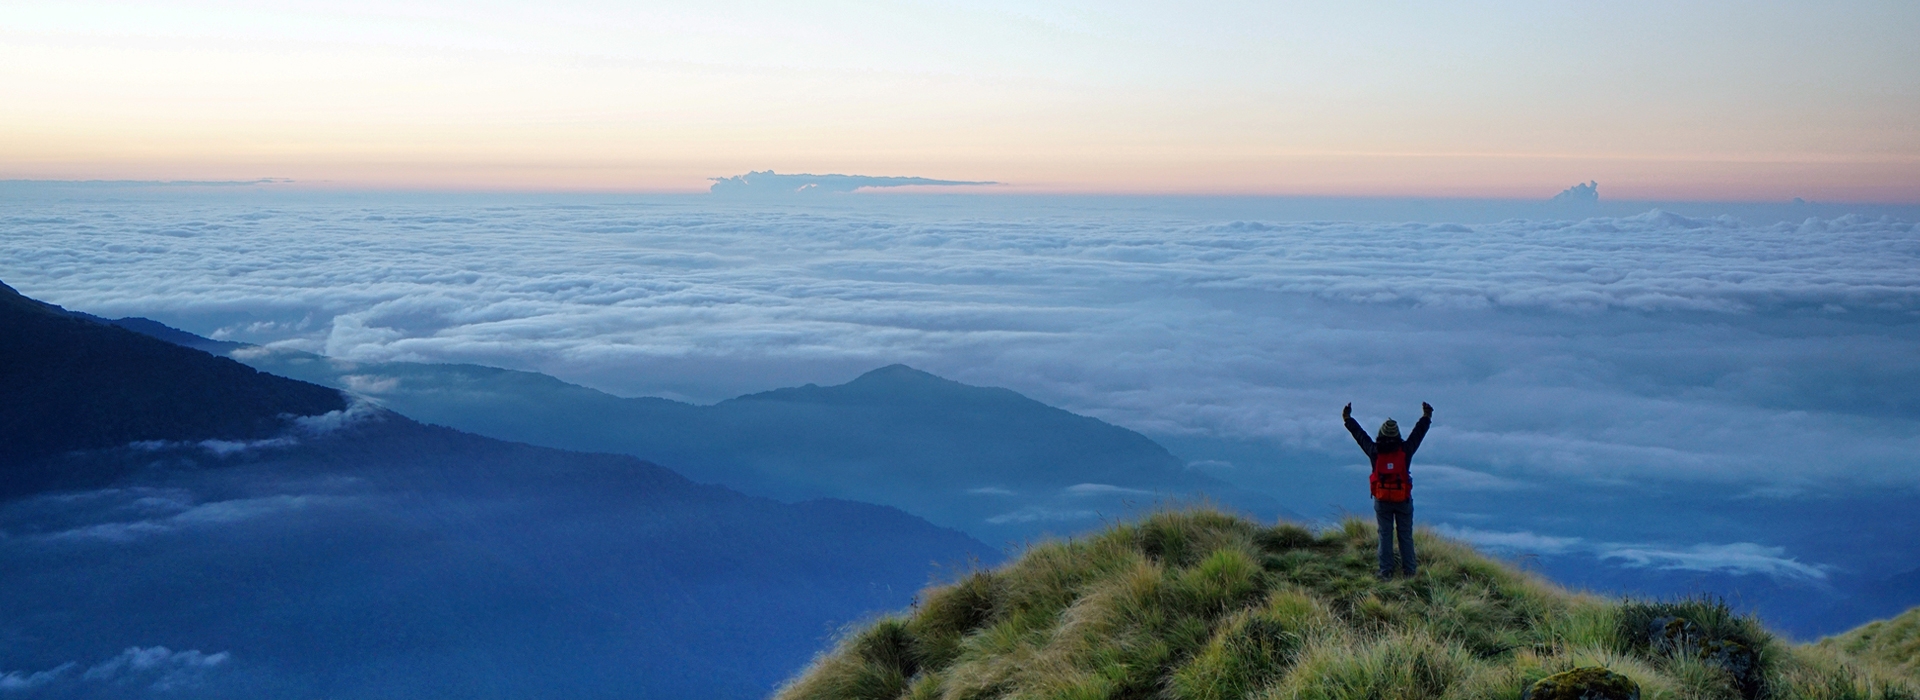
(1396, 522)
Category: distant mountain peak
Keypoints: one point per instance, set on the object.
(900, 373)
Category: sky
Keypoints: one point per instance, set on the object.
(1733, 101)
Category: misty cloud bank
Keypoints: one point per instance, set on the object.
(764, 184)
(1772, 359)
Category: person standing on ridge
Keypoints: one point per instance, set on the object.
(1392, 485)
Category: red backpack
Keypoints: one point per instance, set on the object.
(1390, 480)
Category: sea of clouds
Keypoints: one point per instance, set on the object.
(1770, 358)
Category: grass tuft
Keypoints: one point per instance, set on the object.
(1201, 605)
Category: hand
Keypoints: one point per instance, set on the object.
(1426, 410)
(1346, 412)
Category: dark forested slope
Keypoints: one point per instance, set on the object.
(68, 382)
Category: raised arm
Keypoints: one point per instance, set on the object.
(1359, 434)
(1420, 429)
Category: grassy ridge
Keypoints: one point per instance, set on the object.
(1202, 605)
(1894, 641)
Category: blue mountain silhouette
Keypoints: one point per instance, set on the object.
(250, 536)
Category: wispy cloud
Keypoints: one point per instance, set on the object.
(1090, 490)
(1526, 542)
(155, 668)
(358, 410)
(1737, 557)
(168, 515)
(1037, 514)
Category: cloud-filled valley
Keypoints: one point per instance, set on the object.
(1692, 381)
(1607, 349)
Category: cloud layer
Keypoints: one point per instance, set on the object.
(1652, 348)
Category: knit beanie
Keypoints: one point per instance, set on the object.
(1389, 430)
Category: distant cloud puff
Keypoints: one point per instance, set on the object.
(358, 410)
(766, 183)
(1037, 514)
(1587, 193)
(1739, 557)
(1104, 490)
(1522, 541)
(122, 516)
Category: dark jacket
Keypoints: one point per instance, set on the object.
(1409, 445)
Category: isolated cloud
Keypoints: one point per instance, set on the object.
(159, 668)
(766, 183)
(1092, 490)
(370, 384)
(1737, 558)
(1584, 193)
(358, 409)
(20, 681)
(1041, 514)
(1641, 349)
(1523, 542)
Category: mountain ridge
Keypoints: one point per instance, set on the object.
(73, 383)
(356, 553)
(987, 460)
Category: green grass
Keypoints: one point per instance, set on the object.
(1200, 605)
(1895, 641)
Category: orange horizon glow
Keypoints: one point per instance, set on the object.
(1685, 182)
(1656, 102)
